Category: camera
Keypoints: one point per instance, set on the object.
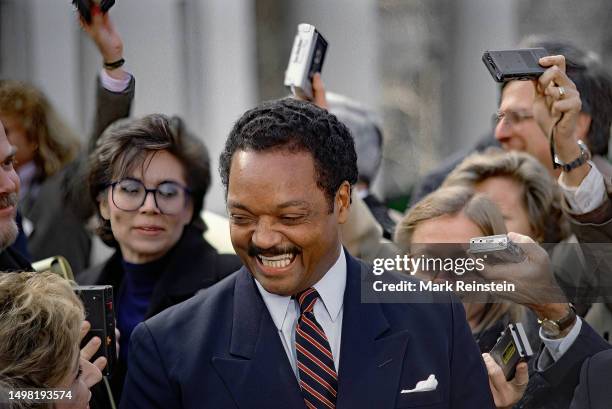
(498, 249)
(511, 348)
(84, 7)
(99, 311)
(508, 65)
(307, 55)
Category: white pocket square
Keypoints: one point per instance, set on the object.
(429, 384)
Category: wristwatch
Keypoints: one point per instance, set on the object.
(584, 156)
(553, 328)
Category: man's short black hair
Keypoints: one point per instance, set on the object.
(296, 126)
(593, 82)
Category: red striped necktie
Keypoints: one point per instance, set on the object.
(318, 378)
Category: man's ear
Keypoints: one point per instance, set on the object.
(343, 202)
(583, 124)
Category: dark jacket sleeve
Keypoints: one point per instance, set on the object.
(581, 394)
(594, 390)
(467, 364)
(594, 233)
(58, 229)
(147, 385)
(110, 106)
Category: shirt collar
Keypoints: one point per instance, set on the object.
(330, 288)
(277, 305)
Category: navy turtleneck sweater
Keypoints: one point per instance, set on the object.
(139, 280)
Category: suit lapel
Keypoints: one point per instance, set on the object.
(257, 372)
(371, 353)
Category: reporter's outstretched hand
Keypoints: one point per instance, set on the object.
(557, 105)
(557, 99)
(533, 278)
(318, 92)
(108, 41)
(90, 373)
(88, 351)
(506, 393)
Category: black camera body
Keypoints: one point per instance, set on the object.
(99, 311)
(508, 65)
(84, 7)
(511, 348)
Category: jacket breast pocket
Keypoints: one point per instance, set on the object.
(429, 399)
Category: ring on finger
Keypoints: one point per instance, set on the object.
(562, 92)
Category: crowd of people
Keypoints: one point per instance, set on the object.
(282, 323)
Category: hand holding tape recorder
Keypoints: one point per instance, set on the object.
(99, 312)
(517, 259)
(307, 56)
(496, 249)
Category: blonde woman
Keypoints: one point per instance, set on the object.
(454, 214)
(40, 330)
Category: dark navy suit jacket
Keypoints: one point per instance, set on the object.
(594, 391)
(563, 386)
(220, 349)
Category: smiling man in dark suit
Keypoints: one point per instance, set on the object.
(288, 330)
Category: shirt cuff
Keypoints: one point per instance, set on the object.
(114, 85)
(557, 347)
(588, 196)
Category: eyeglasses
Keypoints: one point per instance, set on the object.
(512, 117)
(130, 194)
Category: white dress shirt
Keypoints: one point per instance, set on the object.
(328, 309)
(589, 195)
(112, 84)
(555, 348)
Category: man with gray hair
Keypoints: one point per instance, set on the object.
(517, 130)
(10, 260)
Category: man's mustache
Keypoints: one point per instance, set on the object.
(255, 251)
(8, 200)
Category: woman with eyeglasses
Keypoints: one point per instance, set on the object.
(149, 177)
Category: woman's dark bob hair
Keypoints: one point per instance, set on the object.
(125, 144)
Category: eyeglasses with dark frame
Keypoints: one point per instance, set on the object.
(512, 117)
(129, 194)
